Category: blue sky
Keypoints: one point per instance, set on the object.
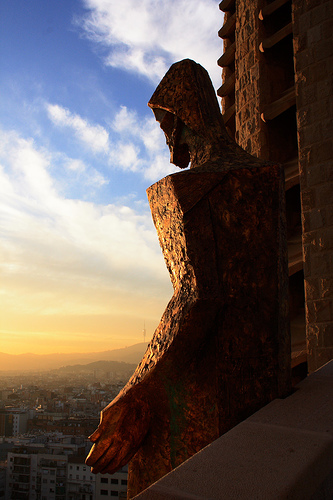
(81, 268)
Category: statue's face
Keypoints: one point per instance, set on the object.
(174, 130)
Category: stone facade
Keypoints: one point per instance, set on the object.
(277, 102)
(313, 50)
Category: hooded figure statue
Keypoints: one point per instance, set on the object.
(185, 105)
(220, 351)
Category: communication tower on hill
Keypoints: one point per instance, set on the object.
(144, 331)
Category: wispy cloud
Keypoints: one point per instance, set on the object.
(61, 255)
(95, 136)
(146, 36)
(140, 146)
(131, 143)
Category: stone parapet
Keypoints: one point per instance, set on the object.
(283, 451)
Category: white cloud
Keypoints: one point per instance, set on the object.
(133, 144)
(151, 155)
(94, 136)
(75, 165)
(125, 156)
(29, 167)
(146, 36)
(75, 172)
(125, 121)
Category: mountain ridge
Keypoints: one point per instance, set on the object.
(104, 366)
(43, 362)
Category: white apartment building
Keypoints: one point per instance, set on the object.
(20, 419)
(80, 481)
(42, 471)
(83, 485)
(112, 486)
(36, 475)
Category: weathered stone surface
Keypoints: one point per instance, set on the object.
(229, 355)
(221, 350)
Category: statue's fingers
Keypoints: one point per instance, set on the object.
(115, 457)
(96, 435)
(90, 460)
(119, 461)
(103, 462)
(97, 451)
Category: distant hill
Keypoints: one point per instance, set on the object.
(38, 362)
(99, 366)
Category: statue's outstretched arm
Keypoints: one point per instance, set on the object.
(123, 426)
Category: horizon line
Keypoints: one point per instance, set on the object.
(71, 352)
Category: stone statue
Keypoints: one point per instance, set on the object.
(221, 350)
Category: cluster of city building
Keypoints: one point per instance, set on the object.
(45, 421)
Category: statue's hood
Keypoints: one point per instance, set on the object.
(187, 92)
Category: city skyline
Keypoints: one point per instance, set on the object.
(81, 267)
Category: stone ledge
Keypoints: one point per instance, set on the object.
(284, 451)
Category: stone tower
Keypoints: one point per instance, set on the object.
(277, 84)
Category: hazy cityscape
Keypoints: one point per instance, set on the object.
(46, 417)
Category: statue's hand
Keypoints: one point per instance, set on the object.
(124, 424)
